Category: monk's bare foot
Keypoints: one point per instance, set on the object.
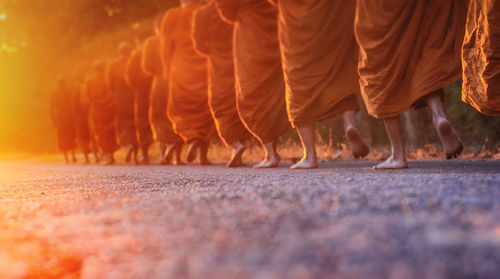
(129, 155)
(145, 161)
(179, 163)
(268, 163)
(392, 163)
(236, 160)
(305, 163)
(108, 159)
(452, 144)
(192, 150)
(358, 147)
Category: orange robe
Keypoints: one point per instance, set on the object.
(213, 38)
(187, 73)
(260, 85)
(123, 96)
(481, 57)
(151, 65)
(320, 58)
(82, 122)
(101, 104)
(141, 83)
(63, 118)
(408, 49)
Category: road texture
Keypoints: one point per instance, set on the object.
(435, 220)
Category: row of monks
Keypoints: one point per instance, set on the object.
(257, 68)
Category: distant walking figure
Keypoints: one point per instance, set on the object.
(169, 141)
(101, 105)
(63, 118)
(124, 102)
(141, 83)
(186, 71)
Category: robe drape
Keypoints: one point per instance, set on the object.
(408, 49)
(151, 65)
(260, 85)
(320, 58)
(481, 57)
(82, 122)
(213, 38)
(141, 84)
(123, 96)
(187, 73)
(63, 118)
(101, 106)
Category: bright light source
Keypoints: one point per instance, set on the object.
(3, 16)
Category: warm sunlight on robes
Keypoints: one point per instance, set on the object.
(213, 38)
(408, 49)
(63, 117)
(260, 84)
(123, 96)
(141, 83)
(102, 115)
(320, 58)
(151, 65)
(481, 57)
(187, 73)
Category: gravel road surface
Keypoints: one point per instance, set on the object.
(435, 220)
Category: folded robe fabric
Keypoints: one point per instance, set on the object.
(141, 83)
(151, 65)
(63, 118)
(187, 73)
(260, 85)
(81, 112)
(213, 38)
(408, 49)
(123, 96)
(101, 104)
(320, 58)
(481, 57)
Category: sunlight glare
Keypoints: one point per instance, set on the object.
(3, 16)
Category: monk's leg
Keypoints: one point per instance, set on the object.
(452, 144)
(204, 153)
(163, 149)
(97, 158)
(73, 156)
(178, 151)
(272, 159)
(135, 151)
(129, 154)
(193, 148)
(167, 152)
(309, 159)
(358, 147)
(398, 157)
(66, 157)
(86, 156)
(145, 154)
(236, 161)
